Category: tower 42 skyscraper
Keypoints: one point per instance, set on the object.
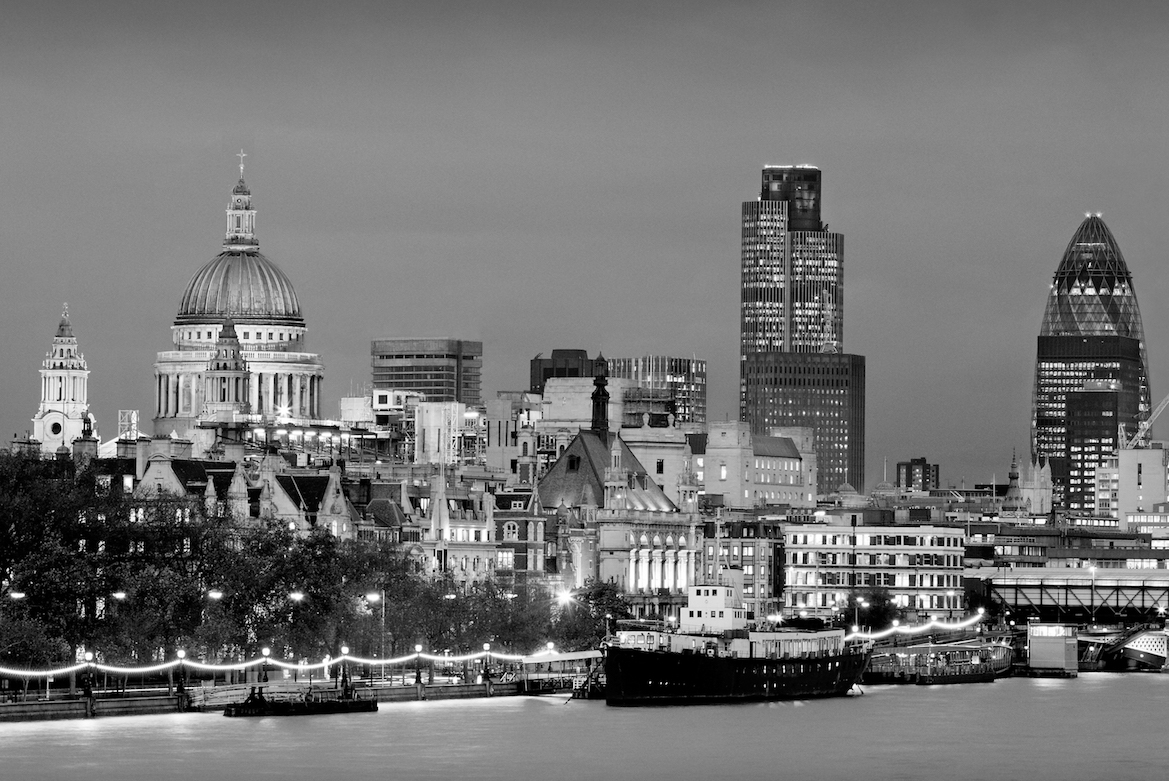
(791, 369)
(1091, 331)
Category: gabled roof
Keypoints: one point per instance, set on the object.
(578, 476)
(387, 513)
(307, 491)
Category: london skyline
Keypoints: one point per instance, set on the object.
(572, 178)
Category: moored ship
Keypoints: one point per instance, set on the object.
(715, 655)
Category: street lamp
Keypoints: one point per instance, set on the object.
(182, 655)
(375, 597)
(1092, 597)
(950, 604)
(418, 664)
(266, 651)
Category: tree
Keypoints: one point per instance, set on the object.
(589, 616)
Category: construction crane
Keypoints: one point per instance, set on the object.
(1143, 428)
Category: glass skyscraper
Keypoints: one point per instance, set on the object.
(791, 368)
(1091, 332)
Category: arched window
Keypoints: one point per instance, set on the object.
(511, 531)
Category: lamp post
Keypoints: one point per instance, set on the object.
(182, 687)
(266, 651)
(950, 604)
(375, 597)
(1092, 596)
(345, 672)
(418, 664)
(487, 660)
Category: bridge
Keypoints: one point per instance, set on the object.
(1076, 595)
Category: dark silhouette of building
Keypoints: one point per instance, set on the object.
(565, 363)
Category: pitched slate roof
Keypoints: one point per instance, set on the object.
(578, 476)
(775, 447)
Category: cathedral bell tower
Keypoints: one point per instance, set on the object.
(64, 409)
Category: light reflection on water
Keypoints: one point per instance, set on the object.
(1099, 726)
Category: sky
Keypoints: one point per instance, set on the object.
(549, 175)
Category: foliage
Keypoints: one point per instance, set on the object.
(135, 579)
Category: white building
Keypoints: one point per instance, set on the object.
(920, 567)
(280, 381)
(63, 414)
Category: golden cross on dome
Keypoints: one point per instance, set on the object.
(241, 157)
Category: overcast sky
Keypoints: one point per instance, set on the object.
(569, 175)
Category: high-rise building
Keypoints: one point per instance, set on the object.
(564, 363)
(917, 474)
(1091, 443)
(824, 392)
(442, 369)
(792, 268)
(791, 370)
(1091, 331)
(684, 379)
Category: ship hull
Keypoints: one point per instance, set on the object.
(635, 677)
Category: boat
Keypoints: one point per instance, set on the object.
(715, 656)
(965, 661)
(309, 703)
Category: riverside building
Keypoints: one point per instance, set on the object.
(920, 567)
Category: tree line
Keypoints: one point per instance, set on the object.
(86, 568)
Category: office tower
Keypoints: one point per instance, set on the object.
(1091, 331)
(442, 369)
(917, 474)
(824, 392)
(564, 363)
(792, 268)
(683, 379)
(792, 372)
(1091, 441)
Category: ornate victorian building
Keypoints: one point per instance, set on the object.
(63, 414)
(238, 359)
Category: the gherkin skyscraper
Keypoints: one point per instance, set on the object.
(1091, 332)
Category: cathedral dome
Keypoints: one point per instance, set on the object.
(242, 285)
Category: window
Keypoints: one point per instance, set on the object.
(722, 472)
(511, 531)
(573, 463)
(661, 467)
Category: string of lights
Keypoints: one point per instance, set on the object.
(915, 630)
(181, 661)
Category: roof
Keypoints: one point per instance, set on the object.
(308, 491)
(775, 447)
(385, 512)
(578, 476)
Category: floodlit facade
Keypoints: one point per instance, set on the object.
(683, 378)
(1091, 331)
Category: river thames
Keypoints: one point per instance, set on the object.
(1098, 726)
